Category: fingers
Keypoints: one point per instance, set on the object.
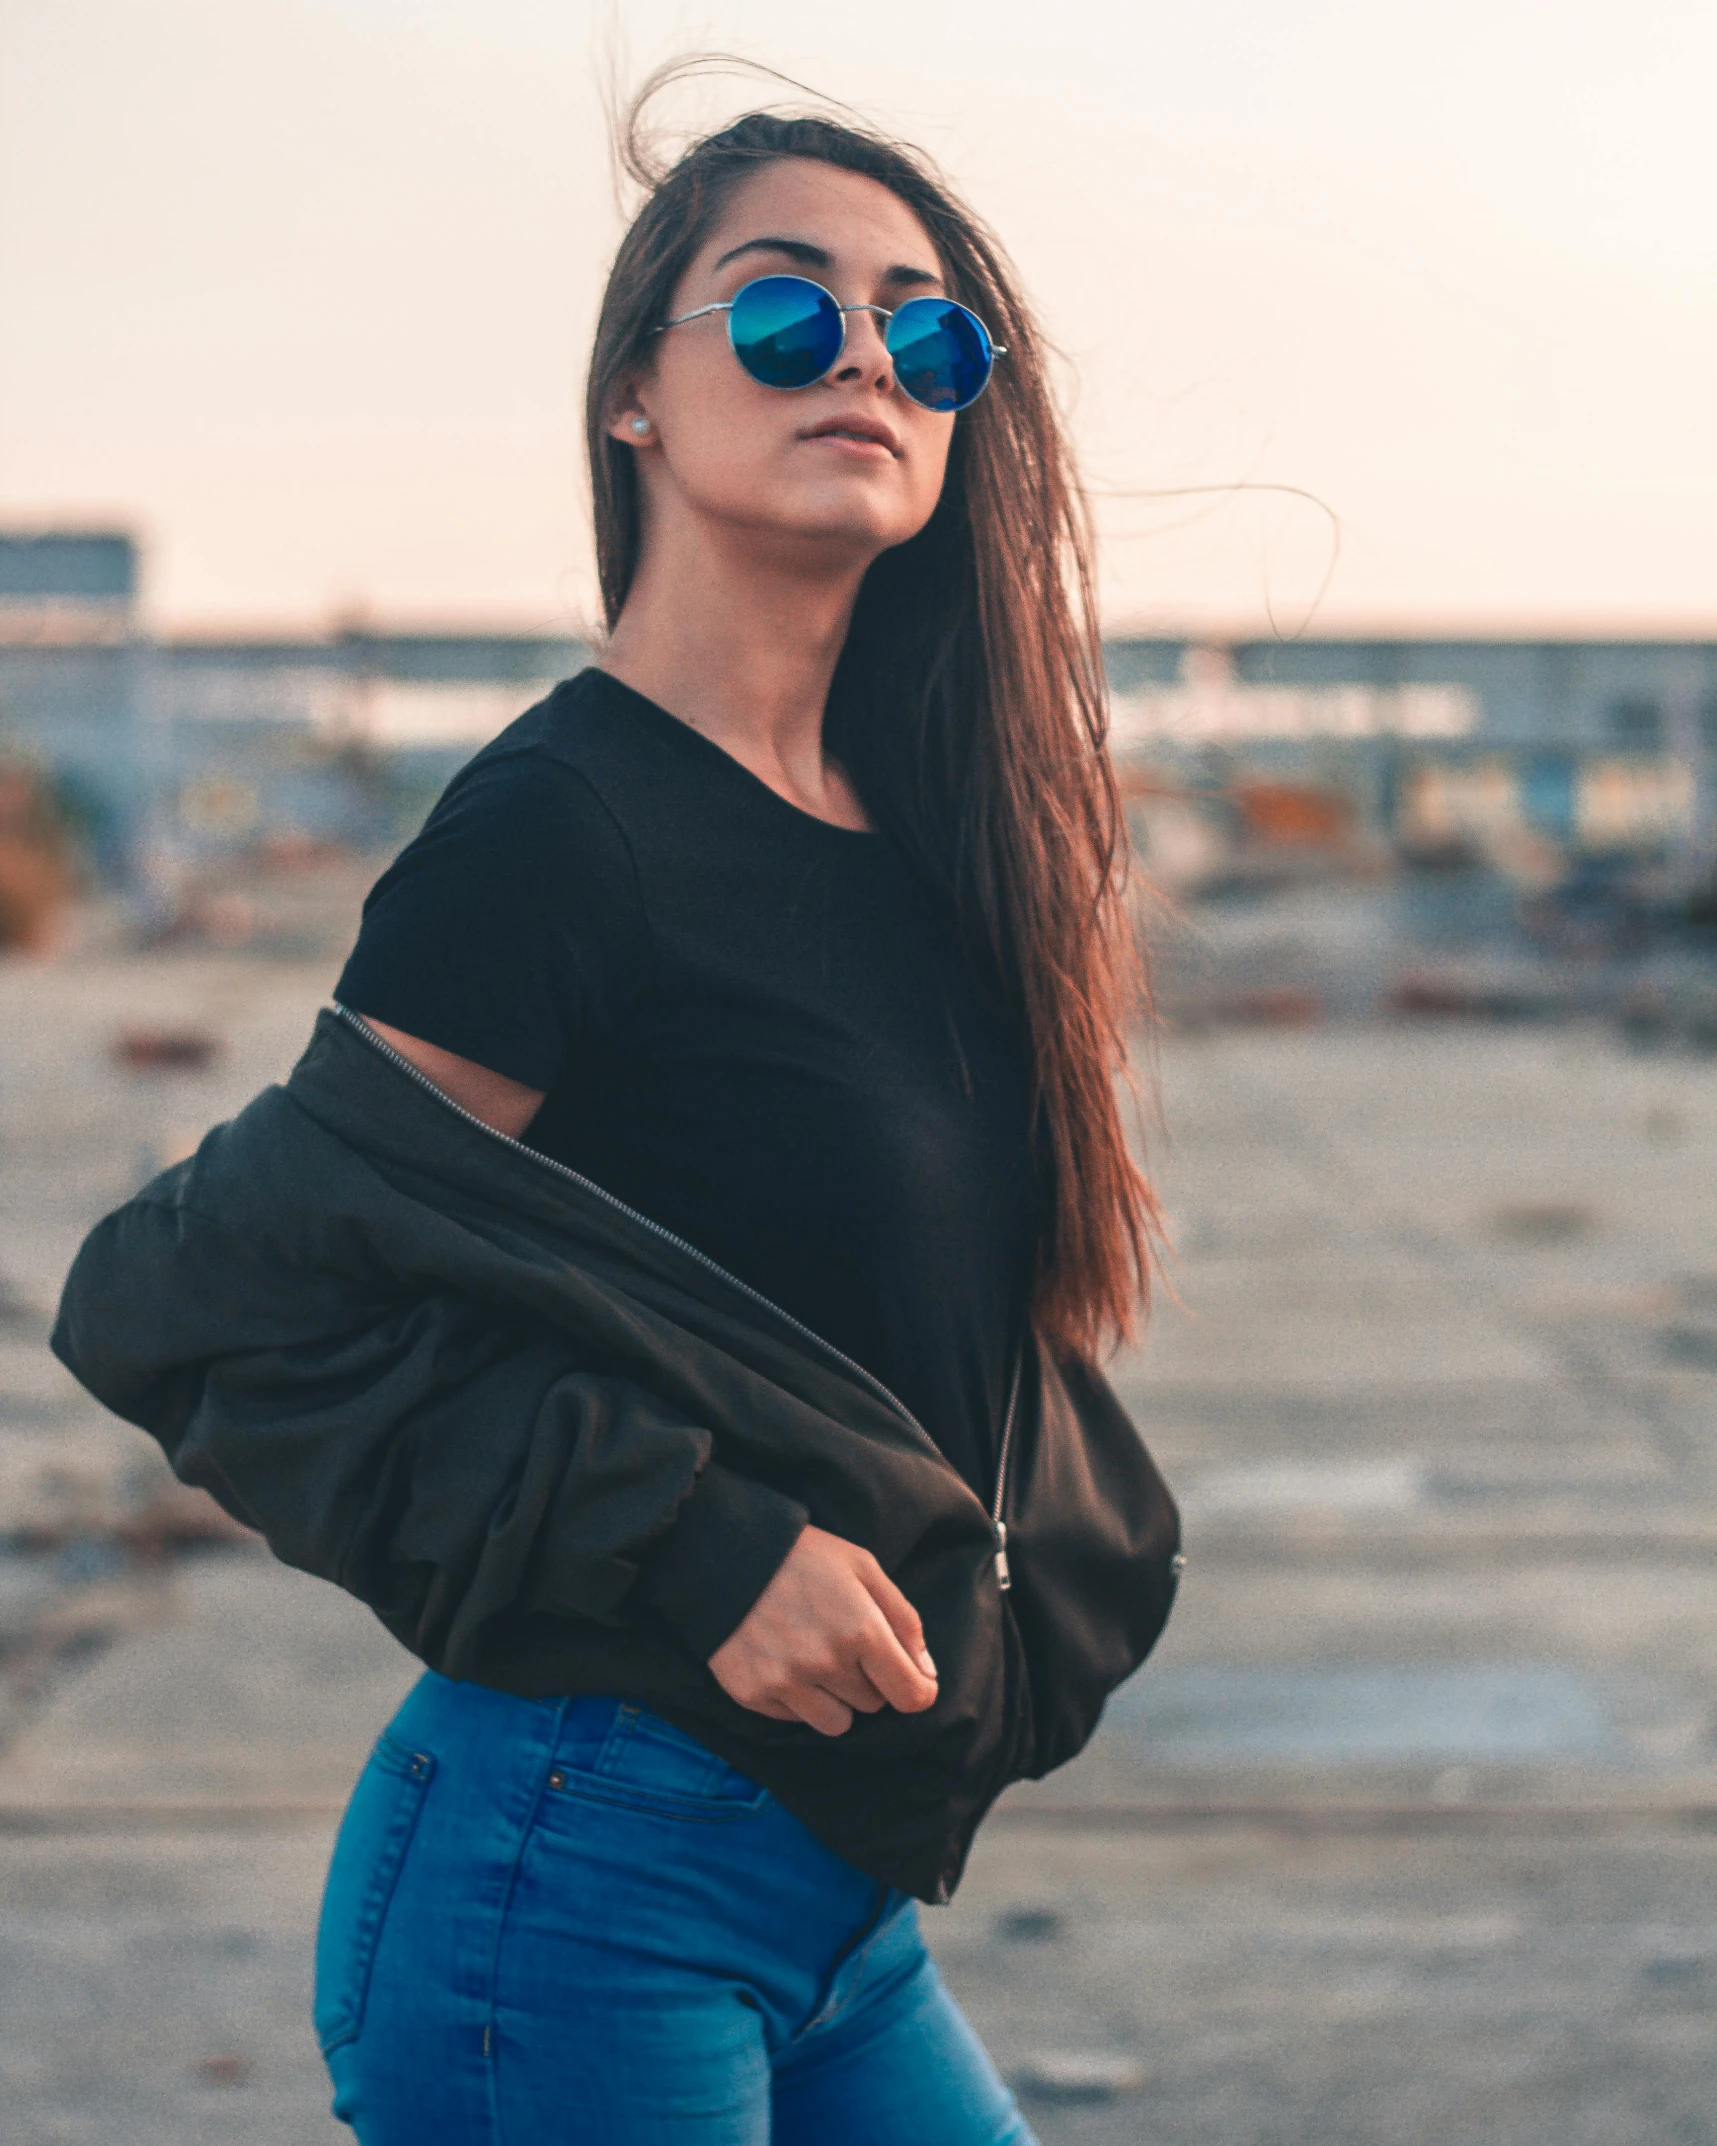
(830, 1689)
(776, 1709)
(823, 1690)
(894, 1656)
(830, 1637)
(842, 1676)
(884, 1661)
(903, 1620)
(822, 1711)
(879, 1676)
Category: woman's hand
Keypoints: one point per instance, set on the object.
(829, 1636)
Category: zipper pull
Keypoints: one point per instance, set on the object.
(1003, 1581)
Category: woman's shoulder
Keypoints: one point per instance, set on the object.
(590, 732)
(514, 918)
(523, 836)
(547, 800)
(592, 779)
(548, 759)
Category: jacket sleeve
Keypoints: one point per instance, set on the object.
(449, 1464)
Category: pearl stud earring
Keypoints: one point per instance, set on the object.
(640, 425)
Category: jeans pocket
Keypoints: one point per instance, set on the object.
(368, 1854)
(647, 1766)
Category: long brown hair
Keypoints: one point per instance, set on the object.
(968, 707)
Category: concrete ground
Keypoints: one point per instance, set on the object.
(1407, 1834)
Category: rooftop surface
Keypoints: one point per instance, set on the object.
(1407, 1833)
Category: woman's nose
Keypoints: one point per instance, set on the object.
(864, 354)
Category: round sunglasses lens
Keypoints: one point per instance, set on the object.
(941, 353)
(785, 330)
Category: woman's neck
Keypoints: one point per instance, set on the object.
(743, 653)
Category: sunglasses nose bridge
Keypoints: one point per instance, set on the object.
(859, 322)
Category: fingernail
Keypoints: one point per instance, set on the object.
(925, 1663)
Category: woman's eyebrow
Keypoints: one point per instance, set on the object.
(796, 249)
(807, 255)
(900, 273)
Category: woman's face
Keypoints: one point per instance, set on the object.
(843, 469)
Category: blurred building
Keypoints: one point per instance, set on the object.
(69, 662)
(1638, 696)
(1591, 746)
(1583, 747)
(346, 738)
(201, 746)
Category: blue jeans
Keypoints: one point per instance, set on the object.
(562, 1920)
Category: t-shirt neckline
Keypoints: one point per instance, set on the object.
(673, 727)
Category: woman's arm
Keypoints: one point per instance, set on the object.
(831, 1634)
(506, 1105)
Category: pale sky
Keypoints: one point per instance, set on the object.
(303, 289)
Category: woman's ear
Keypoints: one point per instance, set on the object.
(632, 424)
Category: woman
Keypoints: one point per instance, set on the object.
(726, 1436)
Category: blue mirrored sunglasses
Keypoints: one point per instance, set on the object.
(788, 331)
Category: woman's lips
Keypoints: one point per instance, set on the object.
(852, 444)
(857, 435)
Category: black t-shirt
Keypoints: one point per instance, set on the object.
(754, 1027)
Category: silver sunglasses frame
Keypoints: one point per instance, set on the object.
(884, 313)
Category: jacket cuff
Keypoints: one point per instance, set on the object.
(728, 1541)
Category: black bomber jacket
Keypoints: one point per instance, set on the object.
(557, 1450)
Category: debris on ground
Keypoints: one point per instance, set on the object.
(16, 1309)
(166, 1050)
(1031, 1925)
(109, 1485)
(1690, 1341)
(37, 879)
(1542, 1222)
(1461, 994)
(225, 2069)
(1669, 1010)
(1079, 2075)
(1277, 1006)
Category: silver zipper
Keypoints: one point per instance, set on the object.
(586, 1184)
(1003, 1578)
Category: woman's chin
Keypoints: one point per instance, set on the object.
(845, 518)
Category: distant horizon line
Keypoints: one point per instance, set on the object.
(1211, 629)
